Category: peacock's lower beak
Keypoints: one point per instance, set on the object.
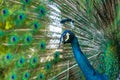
(60, 44)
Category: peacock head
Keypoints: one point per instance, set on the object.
(67, 37)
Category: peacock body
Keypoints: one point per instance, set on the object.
(29, 47)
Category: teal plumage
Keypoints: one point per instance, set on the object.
(30, 29)
(89, 72)
(41, 76)
(96, 25)
(4, 14)
(20, 62)
(27, 39)
(34, 61)
(48, 66)
(26, 76)
(13, 39)
(56, 56)
(1, 33)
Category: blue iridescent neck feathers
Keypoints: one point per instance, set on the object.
(89, 72)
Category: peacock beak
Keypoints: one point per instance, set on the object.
(59, 46)
(61, 41)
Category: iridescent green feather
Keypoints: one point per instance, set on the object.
(13, 39)
(20, 18)
(20, 62)
(27, 38)
(111, 62)
(2, 33)
(26, 2)
(41, 76)
(4, 14)
(34, 61)
(41, 11)
(26, 75)
(48, 66)
(56, 56)
(42, 45)
(8, 58)
(35, 26)
(12, 76)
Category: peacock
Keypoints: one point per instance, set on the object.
(87, 69)
(30, 32)
(96, 26)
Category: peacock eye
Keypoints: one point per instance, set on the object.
(64, 37)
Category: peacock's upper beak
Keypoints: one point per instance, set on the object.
(60, 44)
(61, 41)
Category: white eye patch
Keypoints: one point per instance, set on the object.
(67, 35)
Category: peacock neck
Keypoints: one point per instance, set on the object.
(84, 64)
